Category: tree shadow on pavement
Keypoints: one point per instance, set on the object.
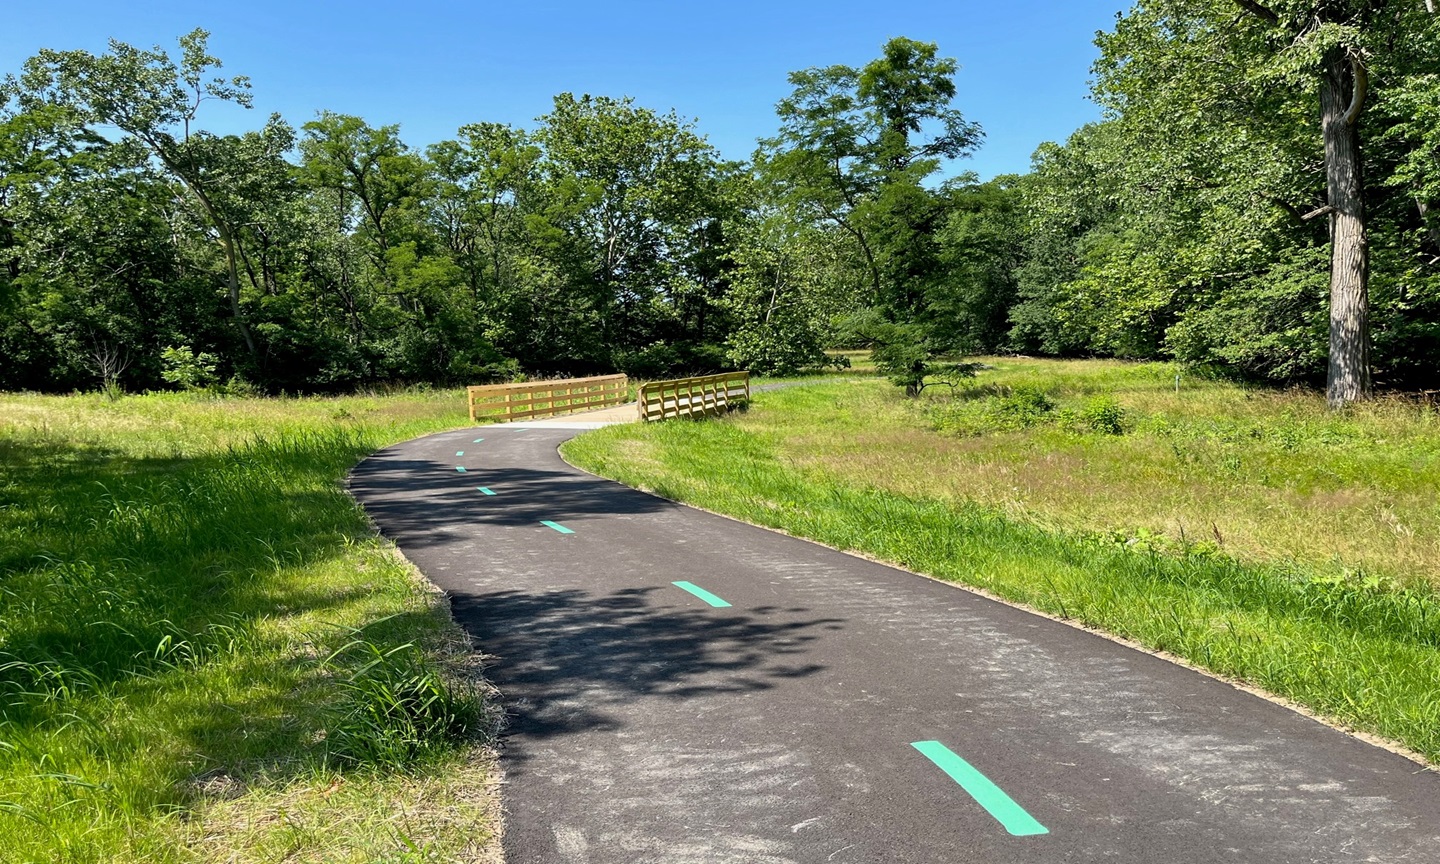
(421, 502)
(565, 659)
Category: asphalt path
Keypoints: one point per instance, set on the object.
(838, 710)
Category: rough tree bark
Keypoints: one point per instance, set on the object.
(1342, 96)
(1343, 86)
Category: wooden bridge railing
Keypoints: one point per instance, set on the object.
(693, 397)
(502, 403)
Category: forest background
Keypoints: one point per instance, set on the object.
(1194, 222)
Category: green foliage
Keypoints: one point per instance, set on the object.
(981, 248)
(854, 150)
(1184, 225)
(1104, 414)
(781, 295)
(904, 354)
(398, 707)
(986, 410)
(594, 243)
(1027, 405)
(612, 236)
(989, 409)
(187, 370)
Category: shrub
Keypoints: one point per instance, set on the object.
(1104, 414)
(187, 370)
(1023, 406)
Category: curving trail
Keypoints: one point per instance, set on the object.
(838, 710)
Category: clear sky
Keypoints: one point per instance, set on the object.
(433, 66)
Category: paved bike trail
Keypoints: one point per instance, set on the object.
(648, 725)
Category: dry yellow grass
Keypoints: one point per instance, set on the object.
(1265, 475)
(353, 819)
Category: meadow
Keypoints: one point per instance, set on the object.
(1251, 532)
(206, 653)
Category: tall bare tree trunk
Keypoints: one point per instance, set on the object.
(1342, 95)
(232, 285)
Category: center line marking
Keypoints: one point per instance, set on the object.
(986, 794)
(556, 525)
(701, 593)
(459, 452)
(477, 440)
(460, 468)
(486, 489)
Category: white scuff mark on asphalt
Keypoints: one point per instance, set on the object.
(795, 829)
(571, 844)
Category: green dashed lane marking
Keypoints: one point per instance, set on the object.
(477, 440)
(557, 526)
(486, 489)
(1009, 814)
(701, 593)
(459, 452)
(460, 468)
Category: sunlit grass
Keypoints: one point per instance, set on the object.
(1279, 578)
(190, 608)
(1267, 476)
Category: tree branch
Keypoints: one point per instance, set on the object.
(1359, 86)
(1259, 11)
(1295, 212)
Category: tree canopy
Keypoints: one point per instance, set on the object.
(1258, 200)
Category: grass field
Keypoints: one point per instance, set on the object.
(1250, 532)
(205, 652)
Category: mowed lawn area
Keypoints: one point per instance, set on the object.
(1251, 532)
(206, 654)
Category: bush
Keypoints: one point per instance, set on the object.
(1024, 406)
(238, 385)
(1104, 414)
(187, 370)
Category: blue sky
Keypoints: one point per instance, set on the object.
(433, 66)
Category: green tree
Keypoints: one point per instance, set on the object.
(855, 145)
(981, 250)
(631, 195)
(1234, 101)
(782, 293)
(855, 149)
(155, 100)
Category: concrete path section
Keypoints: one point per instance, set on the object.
(627, 413)
(685, 688)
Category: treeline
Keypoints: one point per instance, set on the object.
(1194, 222)
(1240, 139)
(140, 245)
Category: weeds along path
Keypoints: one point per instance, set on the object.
(686, 688)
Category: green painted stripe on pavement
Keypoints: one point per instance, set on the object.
(460, 468)
(477, 440)
(985, 793)
(556, 525)
(486, 489)
(459, 452)
(701, 593)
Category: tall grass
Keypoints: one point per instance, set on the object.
(197, 627)
(1359, 645)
